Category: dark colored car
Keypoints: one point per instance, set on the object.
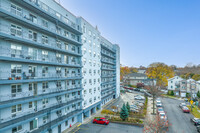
(136, 89)
(196, 121)
(101, 121)
(198, 129)
(185, 109)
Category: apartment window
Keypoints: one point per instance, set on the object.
(66, 33)
(16, 108)
(90, 43)
(66, 46)
(73, 60)
(33, 124)
(73, 36)
(44, 39)
(66, 59)
(32, 35)
(65, 20)
(59, 99)
(84, 40)
(16, 30)
(45, 86)
(84, 29)
(58, 15)
(73, 93)
(90, 33)
(16, 50)
(44, 55)
(45, 23)
(16, 70)
(45, 7)
(73, 119)
(30, 105)
(58, 71)
(17, 129)
(58, 43)
(45, 102)
(44, 71)
(90, 90)
(16, 10)
(73, 48)
(58, 57)
(58, 84)
(66, 123)
(90, 52)
(32, 54)
(94, 54)
(16, 89)
(66, 72)
(58, 30)
(33, 18)
(45, 118)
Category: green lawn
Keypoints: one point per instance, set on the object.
(194, 111)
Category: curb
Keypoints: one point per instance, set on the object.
(134, 124)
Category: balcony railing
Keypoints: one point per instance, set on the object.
(39, 23)
(35, 111)
(28, 94)
(52, 12)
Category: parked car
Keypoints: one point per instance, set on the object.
(139, 98)
(136, 89)
(158, 100)
(181, 105)
(158, 104)
(160, 109)
(185, 109)
(162, 116)
(101, 121)
(198, 129)
(196, 121)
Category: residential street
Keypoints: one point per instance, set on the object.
(180, 122)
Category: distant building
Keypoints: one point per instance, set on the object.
(134, 78)
(141, 71)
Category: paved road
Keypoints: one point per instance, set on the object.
(110, 128)
(180, 122)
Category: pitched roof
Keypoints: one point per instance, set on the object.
(136, 75)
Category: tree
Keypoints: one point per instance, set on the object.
(156, 125)
(198, 94)
(172, 93)
(161, 72)
(124, 113)
(128, 107)
(196, 77)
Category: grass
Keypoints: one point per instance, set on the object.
(194, 111)
(169, 96)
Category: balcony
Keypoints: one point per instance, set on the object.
(24, 97)
(107, 61)
(110, 94)
(107, 47)
(65, 117)
(108, 55)
(29, 115)
(48, 13)
(108, 76)
(6, 77)
(107, 82)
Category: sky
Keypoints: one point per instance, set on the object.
(147, 31)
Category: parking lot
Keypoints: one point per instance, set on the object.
(111, 128)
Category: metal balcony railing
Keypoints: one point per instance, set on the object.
(26, 114)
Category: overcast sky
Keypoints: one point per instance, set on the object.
(147, 30)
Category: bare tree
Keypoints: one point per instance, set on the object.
(156, 125)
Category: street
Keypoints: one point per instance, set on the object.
(111, 128)
(180, 122)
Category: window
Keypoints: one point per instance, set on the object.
(44, 71)
(45, 23)
(45, 118)
(73, 36)
(45, 7)
(33, 18)
(58, 57)
(16, 30)
(17, 129)
(44, 39)
(84, 29)
(66, 59)
(33, 124)
(90, 33)
(84, 40)
(58, 84)
(32, 54)
(16, 10)
(16, 50)
(73, 119)
(58, 71)
(58, 43)
(44, 102)
(58, 30)
(66, 33)
(73, 48)
(16, 108)
(90, 52)
(58, 15)
(32, 35)
(45, 86)
(16, 89)
(44, 55)
(16, 70)
(66, 123)
(30, 105)
(66, 46)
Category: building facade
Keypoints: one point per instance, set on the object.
(51, 67)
